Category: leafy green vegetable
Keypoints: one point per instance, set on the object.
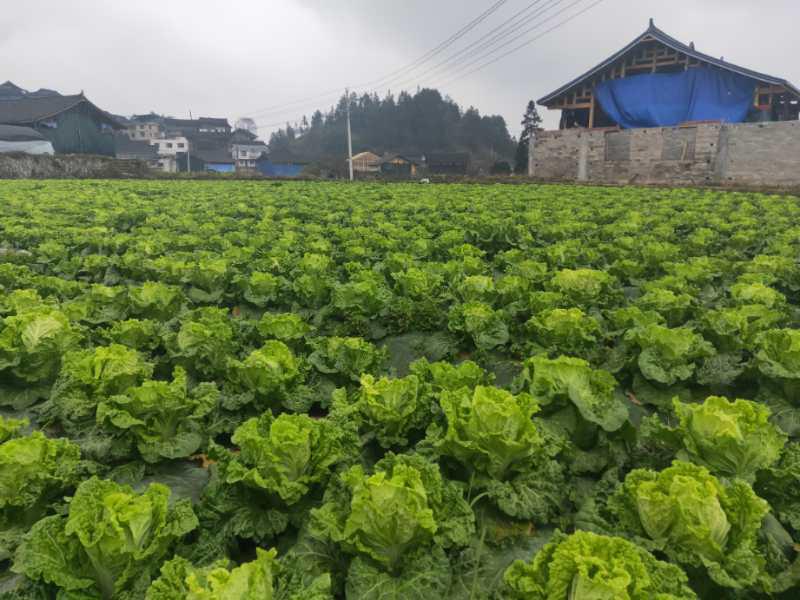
(388, 409)
(254, 580)
(571, 380)
(348, 357)
(490, 429)
(111, 543)
(668, 356)
(90, 376)
(33, 342)
(163, 419)
(686, 513)
(586, 566)
(404, 505)
(731, 439)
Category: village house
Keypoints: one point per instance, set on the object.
(661, 112)
(657, 81)
(129, 149)
(247, 153)
(448, 163)
(145, 127)
(366, 162)
(73, 124)
(396, 165)
(23, 139)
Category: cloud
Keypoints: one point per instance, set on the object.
(236, 59)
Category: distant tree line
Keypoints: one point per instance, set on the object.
(412, 124)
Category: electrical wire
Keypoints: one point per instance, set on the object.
(474, 49)
(528, 42)
(413, 65)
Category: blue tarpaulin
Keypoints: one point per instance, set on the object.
(271, 169)
(669, 99)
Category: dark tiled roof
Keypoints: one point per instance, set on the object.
(123, 145)
(196, 123)
(660, 36)
(14, 133)
(10, 90)
(42, 93)
(215, 155)
(390, 157)
(447, 158)
(30, 110)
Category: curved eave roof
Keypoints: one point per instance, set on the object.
(655, 33)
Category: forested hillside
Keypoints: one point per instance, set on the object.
(408, 124)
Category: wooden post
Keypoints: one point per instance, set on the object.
(591, 113)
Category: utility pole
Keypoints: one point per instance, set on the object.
(349, 136)
(189, 150)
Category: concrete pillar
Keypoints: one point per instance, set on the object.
(531, 148)
(721, 161)
(583, 158)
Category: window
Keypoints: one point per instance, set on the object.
(169, 144)
(181, 145)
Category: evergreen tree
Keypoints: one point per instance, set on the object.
(531, 123)
(411, 123)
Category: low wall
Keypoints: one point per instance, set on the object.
(749, 154)
(70, 166)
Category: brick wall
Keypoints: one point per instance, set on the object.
(759, 154)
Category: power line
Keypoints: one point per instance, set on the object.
(483, 43)
(529, 42)
(418, 62)
(463, 72)
(441, 47)
(465, 67)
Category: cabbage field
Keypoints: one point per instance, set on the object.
(309, 391)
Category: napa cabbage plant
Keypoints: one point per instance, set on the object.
(88, 377)
(285, 327)
(668, 356)
(280, 462)
(254, 580)
(203, 343)
(555, 383)
(155, 300)
(778, 353)
(387, 410)
(33, 343)
(492, 434)
(484, 325)
(584, 287)
(109, 545)
(35, 472)
(587, 566)
(161, 419)
(347, 358)
(731, 439)
(695, 520)
(397, 523)
(566, 330)
(268, 372)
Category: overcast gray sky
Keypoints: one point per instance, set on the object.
(237, 58)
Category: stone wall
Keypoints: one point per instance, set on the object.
(69, 166)
(751, 154)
